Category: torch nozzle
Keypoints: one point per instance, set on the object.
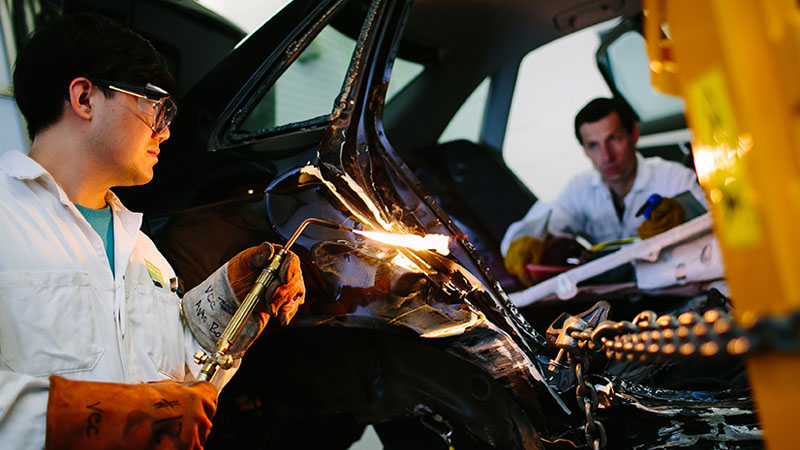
(307, 222)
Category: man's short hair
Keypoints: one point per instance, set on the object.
(88, 45)
(601, 107)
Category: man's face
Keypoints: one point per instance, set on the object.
(611, 148)
(125, 142)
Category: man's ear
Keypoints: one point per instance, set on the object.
(80, 97)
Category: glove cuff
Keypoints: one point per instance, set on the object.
(208, 308)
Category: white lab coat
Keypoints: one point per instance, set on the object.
(585, 207)
(63, 312)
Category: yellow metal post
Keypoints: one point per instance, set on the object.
(736, 63)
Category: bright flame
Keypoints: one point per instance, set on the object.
(401, 261)
(373, 209)
(436, 242)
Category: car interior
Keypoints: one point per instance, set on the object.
(245, 138)
(454, 49)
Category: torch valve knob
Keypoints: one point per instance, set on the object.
(226, 361)
(200, 357)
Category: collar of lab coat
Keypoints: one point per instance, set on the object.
(20, 166)
(640, 183)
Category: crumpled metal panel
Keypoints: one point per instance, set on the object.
(678, 418)
(357, 181)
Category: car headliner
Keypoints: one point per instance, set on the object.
(470, 40)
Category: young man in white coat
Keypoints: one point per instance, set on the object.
(95, 346)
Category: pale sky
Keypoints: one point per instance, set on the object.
(248, 14)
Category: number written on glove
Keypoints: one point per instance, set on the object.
(162, 415)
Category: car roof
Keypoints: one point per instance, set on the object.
(461, 42)
(464, 28)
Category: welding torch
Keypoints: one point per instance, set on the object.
(220, 356)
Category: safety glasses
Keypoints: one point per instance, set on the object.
(154, 102)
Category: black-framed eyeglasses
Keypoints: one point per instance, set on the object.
(153, 101)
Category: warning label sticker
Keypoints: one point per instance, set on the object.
(719, 151)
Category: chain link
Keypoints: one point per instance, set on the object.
(650, 337)
(586, 395)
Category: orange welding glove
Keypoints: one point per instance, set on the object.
(162, 415)
(522, 251)
(284, 296)
(667, 214)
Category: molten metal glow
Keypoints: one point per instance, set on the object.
(435, 242)
(475, 318)
(402, 261)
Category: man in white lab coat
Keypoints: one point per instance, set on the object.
(95, 344)
(601, 205)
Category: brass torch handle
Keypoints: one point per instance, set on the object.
(220, 357)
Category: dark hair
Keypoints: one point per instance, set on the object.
(88, 45)
(601, 107)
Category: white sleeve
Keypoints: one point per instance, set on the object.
(23, 410)
(561, 218)
(567, 218)
(533, 224)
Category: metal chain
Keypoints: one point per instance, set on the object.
(649, 337)
(586, 395)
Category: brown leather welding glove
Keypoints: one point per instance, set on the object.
(283, 297)
(162, 415)
(522, 251)
(668, 214)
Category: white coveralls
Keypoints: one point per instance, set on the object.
(63, 312)
(585, 207)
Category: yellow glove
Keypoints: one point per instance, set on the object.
(667, 214)
(524, 250)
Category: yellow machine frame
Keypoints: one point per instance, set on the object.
(736, 64)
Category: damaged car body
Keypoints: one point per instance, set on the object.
(424, 346)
